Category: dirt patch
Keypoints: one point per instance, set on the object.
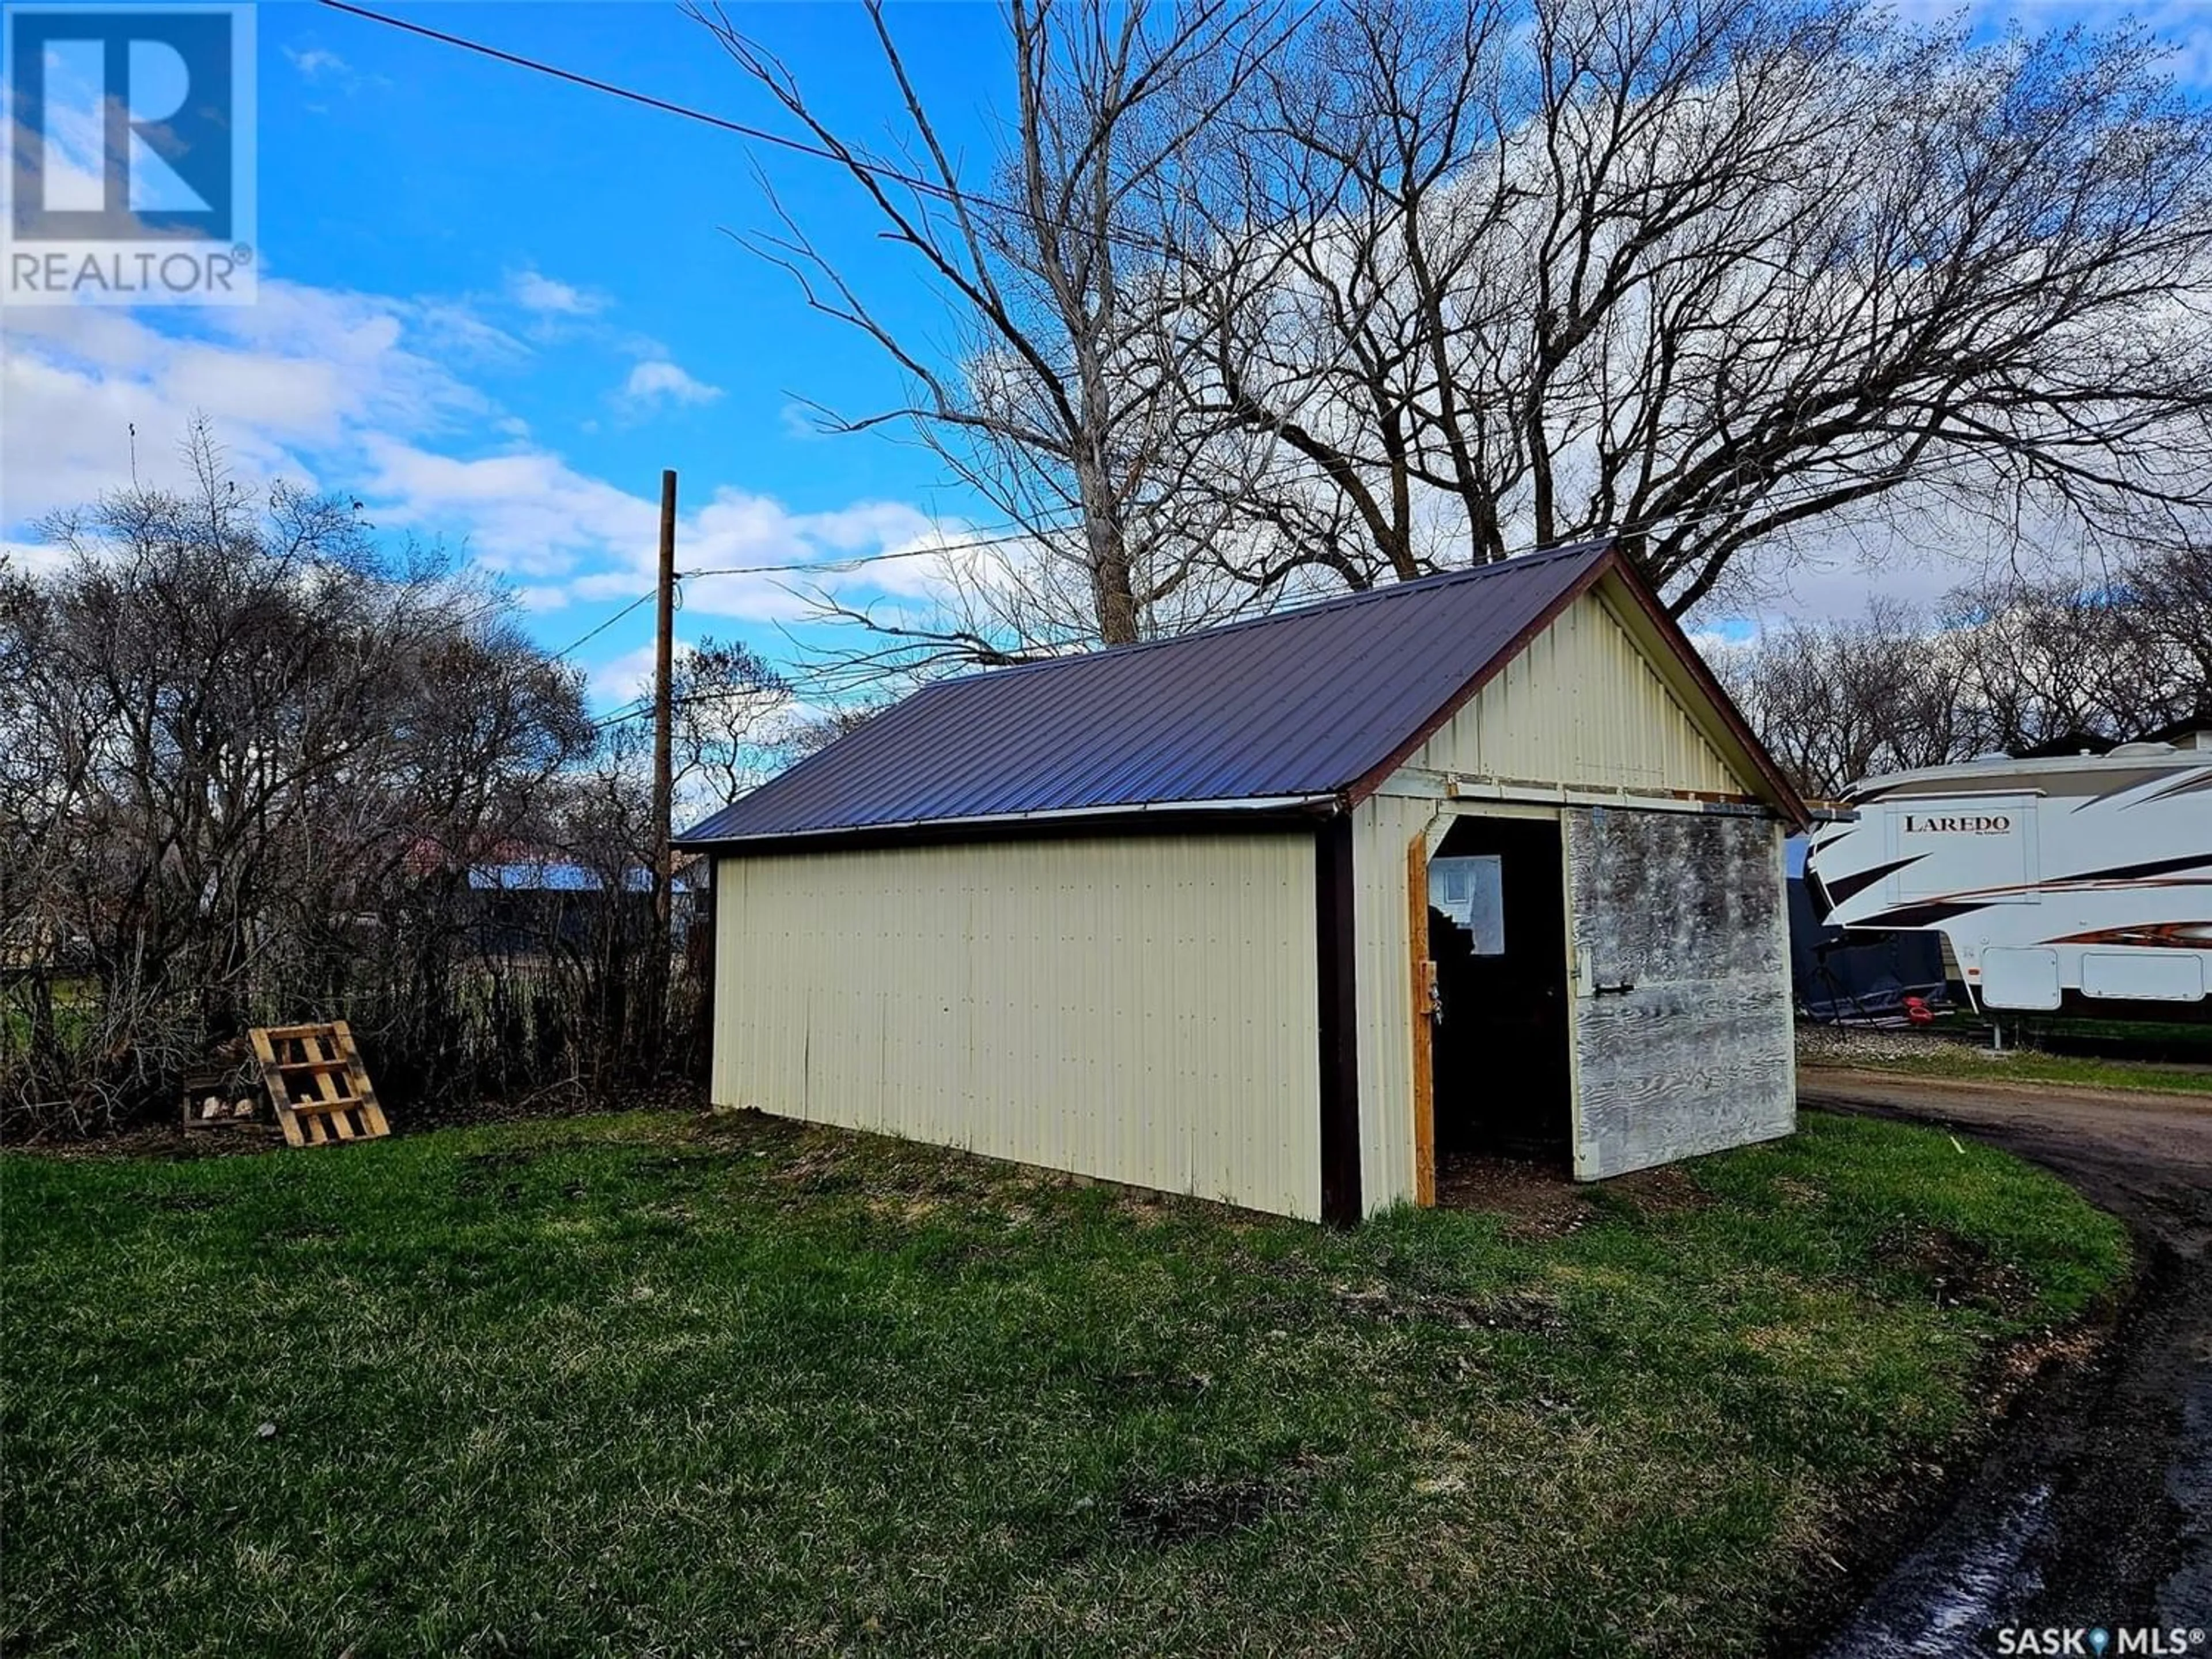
(745, 1127)
(1957, 1272)
(1664, 1191)
(907, 1209)
(1178, 1514)
(1534, 1202)
(819, 1172)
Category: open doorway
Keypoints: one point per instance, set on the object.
(1497, 935)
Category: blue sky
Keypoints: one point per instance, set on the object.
(495, 305)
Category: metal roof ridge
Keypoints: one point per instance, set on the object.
(1341, 602)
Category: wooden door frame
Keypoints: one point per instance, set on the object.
(1418, 851)
(1425, 1077)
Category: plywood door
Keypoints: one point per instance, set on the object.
(1682, 1037)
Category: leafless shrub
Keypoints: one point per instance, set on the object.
(254, 772)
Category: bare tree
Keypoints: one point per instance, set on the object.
(2033, 663)
(1059, 404)
(2006, 665)
(1838, 701)
(1368, 291)
(1694, 275)
(731, 710)
(2172, 590)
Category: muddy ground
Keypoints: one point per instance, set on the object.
(2093, 1507)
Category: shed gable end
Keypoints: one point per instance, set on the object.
(1582, 707)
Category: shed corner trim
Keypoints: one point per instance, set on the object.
(1336, 935)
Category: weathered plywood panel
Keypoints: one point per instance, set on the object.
(1140, 1009)
(1581, 709)
(1687, 911)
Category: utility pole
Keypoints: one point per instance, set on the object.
(664, 790)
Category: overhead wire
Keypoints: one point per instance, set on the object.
(854, 161)
(646, 598)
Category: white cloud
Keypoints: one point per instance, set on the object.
(319, 66)
(365, 394)
(548, 297)
(657, 382)
(286, 383)
(314, 63)
(36, 558)
(625, 678)
(523, 513)
(541, 597)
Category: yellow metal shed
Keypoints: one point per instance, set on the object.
(1288, 913)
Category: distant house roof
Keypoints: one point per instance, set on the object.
(549, 875)
(1301, 708)
(552, 873)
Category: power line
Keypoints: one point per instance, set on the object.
(839, 567)
(949, 194)
(646, 598)
(638, 707)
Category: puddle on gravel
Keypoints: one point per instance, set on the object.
(1943, 1598)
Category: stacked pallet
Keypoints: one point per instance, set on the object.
(317, 1084)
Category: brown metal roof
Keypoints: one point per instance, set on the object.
(1304, 705)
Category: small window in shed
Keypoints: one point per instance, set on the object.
(1471, 893)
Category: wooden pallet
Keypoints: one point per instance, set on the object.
(317, 1083)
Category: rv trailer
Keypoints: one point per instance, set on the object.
(2084, 876)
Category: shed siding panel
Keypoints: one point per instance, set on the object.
(1685, 911)
(1138, 1009)
(1581, 707)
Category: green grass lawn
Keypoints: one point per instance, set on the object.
(1950, 1060)
(644, 1384)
